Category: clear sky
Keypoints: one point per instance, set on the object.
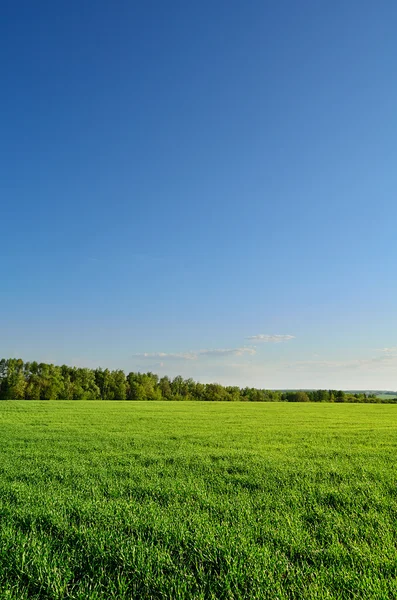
(201, 188)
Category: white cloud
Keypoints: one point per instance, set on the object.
(194, 355)
(392, 351)
(228, 352)
(375, 363)
(167, 356)
(272, 338)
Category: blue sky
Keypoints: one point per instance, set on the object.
(177, 179)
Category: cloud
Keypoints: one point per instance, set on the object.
(321, 364)
(389, 351)
(228, 352)
(167, 356)
(194, 355)
(274, 338)
(374, 363)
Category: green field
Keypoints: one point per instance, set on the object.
(197, 500)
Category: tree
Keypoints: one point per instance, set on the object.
(215, 392)
(118, 386)
(83, 384)
(165, 388)
(17, 386)
(102, 380)
(13, 382)
(34, 381)
(298, 396)
(198, 393)
(51, 382)
(233, 393)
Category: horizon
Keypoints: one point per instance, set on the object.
(126, 372)
(205, 191)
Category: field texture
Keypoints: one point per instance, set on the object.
(197, 500)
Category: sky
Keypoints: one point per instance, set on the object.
(206, 189)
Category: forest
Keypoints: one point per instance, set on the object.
(21, 380)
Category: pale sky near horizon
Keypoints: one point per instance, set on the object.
(205, 189)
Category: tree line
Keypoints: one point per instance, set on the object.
(21, 380)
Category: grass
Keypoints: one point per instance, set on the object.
(197, 501)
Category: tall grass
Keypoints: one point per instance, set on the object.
(197, 501)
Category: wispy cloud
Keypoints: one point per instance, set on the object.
(194, 355)
(227, 351)
(367, 364)
(167, 356)
(392, 351)
(270, 338)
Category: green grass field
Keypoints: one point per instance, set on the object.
(197, 500)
